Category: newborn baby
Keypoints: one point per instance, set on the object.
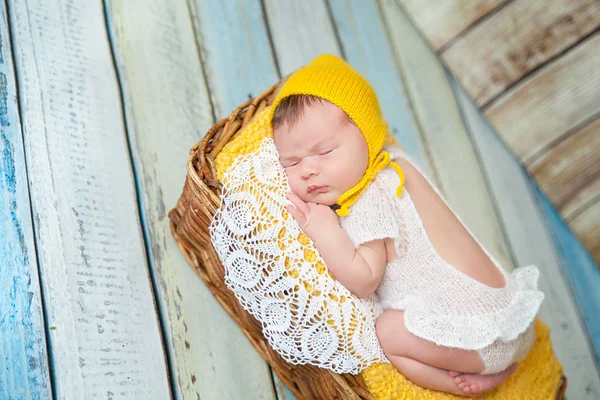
(454, 321)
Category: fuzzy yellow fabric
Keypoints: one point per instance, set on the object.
(538, 376)
(246, 142)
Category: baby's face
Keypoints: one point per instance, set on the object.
(324, 154)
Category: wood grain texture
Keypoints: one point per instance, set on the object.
(294, 44)
(167, 110)
(235, 49)
(567, 169)
(531, 243)
(24, 372)
(557, 98)
(367, 49)
(580, 269)
(443, 20)
(452, 153)
(576, 204)
(516, 40)
(105, 337)
(588, 229)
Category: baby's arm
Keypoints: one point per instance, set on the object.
(359, 270)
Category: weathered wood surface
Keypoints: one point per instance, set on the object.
(531, 243)
(24, 372)
(104, 334)
(561, 96)
(532, 65)
(514, 41)
(235, 50)
(444, 20)
(569, 168)
(168, 109)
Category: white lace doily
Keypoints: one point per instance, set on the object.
(278, 276)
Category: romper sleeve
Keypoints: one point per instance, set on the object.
(371, 217)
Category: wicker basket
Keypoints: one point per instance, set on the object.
(190, 220)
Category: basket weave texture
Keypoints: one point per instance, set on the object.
(190, 220)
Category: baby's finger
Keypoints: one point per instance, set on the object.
(296, 214)
(298, 202)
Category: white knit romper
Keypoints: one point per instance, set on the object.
(442, 304)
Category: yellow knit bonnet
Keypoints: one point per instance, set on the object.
(331, 78)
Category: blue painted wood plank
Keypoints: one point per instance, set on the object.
(236, 51)
(366, 47)
(580, 269)
(24, 372)
(107, 341)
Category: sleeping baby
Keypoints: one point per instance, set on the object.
(454, 320)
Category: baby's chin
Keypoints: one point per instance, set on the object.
(327, 199)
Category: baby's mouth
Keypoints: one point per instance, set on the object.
(313, 189)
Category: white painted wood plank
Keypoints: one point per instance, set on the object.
(24, 372)
(452, 153)
(531, 244)
(105, 338)
(167, 110)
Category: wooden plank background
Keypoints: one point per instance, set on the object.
(533, 66)
(167, 109)
(104, 336)
(24, 371)
(111, 99)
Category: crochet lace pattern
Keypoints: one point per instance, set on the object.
(278, 276)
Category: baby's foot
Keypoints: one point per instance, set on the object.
(477, 383)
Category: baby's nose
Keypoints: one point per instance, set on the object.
(309, 168)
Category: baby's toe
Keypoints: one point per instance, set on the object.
(459, 379)
(454, 374)
(474, 388)
(462, 385)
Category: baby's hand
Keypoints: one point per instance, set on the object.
(313, 218)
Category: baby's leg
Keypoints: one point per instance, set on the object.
(477, 383)
(426, 376)
(398, 345)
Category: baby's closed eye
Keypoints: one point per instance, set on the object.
(325, 152)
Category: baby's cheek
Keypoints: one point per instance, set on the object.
(295, 183)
